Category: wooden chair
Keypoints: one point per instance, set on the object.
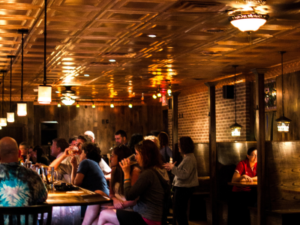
(33, 211)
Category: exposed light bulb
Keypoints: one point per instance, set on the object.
(58, 105)
(154, 96)
(130, 106)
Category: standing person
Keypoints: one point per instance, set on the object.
(148, 189)
(165, 151)
(121, 138)
(186, 179)
(19, 186)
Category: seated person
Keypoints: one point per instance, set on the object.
(73, 141)
(116, 185)
(37, 156)
(30, 187)
(23, 147)
(148, 189)
(245, 171)
(135, 139)
(103, 165)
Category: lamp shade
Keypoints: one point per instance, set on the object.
(44, 94)
(22, 109)
(10, 117)
(283, 124)
(248, 22)
(3, 122)
(68, 101)
(112, 105)
(236, 130)
(130, 105)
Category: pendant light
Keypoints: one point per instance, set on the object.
(10, 114)
(22, 106)
(112, 104)
(248, 22)
(283, 123)
(235, 128)
(45, 91)
(3, 122)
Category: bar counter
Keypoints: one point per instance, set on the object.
(67, 205)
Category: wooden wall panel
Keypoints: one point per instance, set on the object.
(102, 120)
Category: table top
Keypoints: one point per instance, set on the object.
(243, 184)
(74, 198)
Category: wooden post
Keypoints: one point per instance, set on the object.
(174, 120)
(260, 131)
(213, 151)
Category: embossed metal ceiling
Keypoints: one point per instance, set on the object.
(194, 43)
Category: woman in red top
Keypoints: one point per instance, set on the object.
(246, 170)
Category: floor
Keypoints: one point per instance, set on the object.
(198, 223)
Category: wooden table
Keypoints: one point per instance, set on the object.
(67, 205)
(243, 184)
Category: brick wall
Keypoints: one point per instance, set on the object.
(194, 109)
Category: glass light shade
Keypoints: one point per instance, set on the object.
(68, 101)
(77, 105)
(236, 130)
(130, 106)
(154, 96)
(3, 122)
(58, 105)
(169, 91)
(283, 124)
(93, 106)
(159, 94)
(44, 94)
(112, 105)
(10, 117)
(22, 109)
(250, 24)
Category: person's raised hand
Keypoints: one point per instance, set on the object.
(125, 165)
(74, 161)
(169, 166)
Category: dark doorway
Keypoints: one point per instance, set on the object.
(48, 132)
(165, 120)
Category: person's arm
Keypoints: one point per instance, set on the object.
(40, 190)
(76, 178)
(239, 175)
(186, 167)
(57, 161)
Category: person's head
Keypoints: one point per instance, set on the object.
(31, 153)
(90, 151)
(73, 141)
(252, 155)
(58, 145)
(163, 139)
(91, 135)
(121, 137)
(83, 139)
(38, 152)
(24, 148)
(119, 153)
(147, 154)
(186, 145)
(154, 139)
(9, 151)
(135, 139)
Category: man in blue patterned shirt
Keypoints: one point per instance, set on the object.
(19, 186)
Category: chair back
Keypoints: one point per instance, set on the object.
(12, 215)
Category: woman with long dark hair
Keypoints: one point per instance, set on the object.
(186, 179)
(148, 189)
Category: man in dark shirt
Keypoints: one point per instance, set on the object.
(121, 138)
(19, 186)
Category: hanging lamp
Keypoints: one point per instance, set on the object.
(45, 91)
(235, 128)
(159, 92)
(283, 123)
(169, 91)
(3, 122)
(248, 22)
(112, 104)
(10, 114)
(22, 106)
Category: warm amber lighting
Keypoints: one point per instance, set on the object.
(159, 94)
(77, 105)
(236, 130)
(130, 106)
(248, 22)
(112, 105)
(3, 122)
(68, 101)
(58, 105)
(283, 124)
(44, 94)
(22, 109)
(93, 106)
(10, 117)
(154, 96)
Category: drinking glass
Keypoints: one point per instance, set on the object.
(132, 159)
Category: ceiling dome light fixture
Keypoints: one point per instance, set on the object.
(283, 123)
(10, 114)
(67, 101)
(45, 91)
(248, 22)
(22, 106)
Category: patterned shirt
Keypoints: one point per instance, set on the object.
(20, 186)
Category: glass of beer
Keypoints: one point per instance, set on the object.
(132, 159)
